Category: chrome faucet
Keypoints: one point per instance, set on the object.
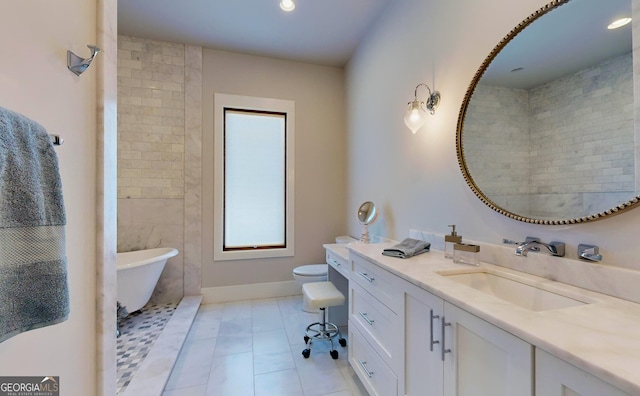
(554, 248)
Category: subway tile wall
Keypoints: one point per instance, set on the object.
(499, 116)
(151, 118)
(151, 154)
(582, 131)
(566, 144)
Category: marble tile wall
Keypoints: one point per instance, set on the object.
(151, 116)
(193, 171)
(588, 119)
(159, 151)
(106, 198)
(537, 161)
(499, 116)
(635, 12)
(152, 223)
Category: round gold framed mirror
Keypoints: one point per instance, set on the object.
(546, 130)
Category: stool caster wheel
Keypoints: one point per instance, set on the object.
(306, 339)
(334, 354)
(343, 342)
(306, 353)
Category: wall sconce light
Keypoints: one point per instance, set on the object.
(287, 5)
(416, 114)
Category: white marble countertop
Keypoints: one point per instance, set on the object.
(339, 249)
(602, 338)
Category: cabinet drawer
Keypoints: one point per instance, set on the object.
(375, 375)
(377, 323)
(380, 283)
(338, 262)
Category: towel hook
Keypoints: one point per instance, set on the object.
(56, 140)
(77, 64)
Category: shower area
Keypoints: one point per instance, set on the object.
(159, 134)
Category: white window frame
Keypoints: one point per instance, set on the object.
(222, 101)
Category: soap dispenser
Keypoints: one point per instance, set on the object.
(450, 240)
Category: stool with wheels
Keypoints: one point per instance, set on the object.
(321, 295)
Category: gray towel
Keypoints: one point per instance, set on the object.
(34, 289)
(407, 248)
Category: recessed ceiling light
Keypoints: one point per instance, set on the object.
(618, 23)
(287, 5)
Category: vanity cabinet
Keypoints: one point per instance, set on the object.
(405, 340)
(449, 351)
(375, 331)
(555, 377)
(409, 336)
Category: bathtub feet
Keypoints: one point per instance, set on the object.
(121, 312)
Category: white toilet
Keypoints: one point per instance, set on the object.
(316, 272)
(310, 273)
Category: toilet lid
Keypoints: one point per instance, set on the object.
(311, 270)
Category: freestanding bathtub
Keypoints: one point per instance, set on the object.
(138, 274)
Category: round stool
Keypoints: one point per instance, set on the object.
(322, 295)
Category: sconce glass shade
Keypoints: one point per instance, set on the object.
(415, 116)
(287, 5)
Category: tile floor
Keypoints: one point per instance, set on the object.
(139, 331)
(254, 348)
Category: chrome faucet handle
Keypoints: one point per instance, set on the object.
(589, 252)
(556, 248)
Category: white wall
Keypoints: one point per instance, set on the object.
(415, 179)
(34, 81)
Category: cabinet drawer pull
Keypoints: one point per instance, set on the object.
(364, 316)
(365, 276)
(364, 367)
(442, 347)
(433, 342)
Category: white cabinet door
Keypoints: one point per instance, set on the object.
(555, 377)
(423, 363)
(483, 360)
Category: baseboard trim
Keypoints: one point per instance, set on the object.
(212, 295)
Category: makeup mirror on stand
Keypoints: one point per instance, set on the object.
(367, 215)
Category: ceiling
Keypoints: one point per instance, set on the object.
(327, 32)
(324, 32)
(570, 38)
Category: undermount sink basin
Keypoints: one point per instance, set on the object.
(526, 293)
